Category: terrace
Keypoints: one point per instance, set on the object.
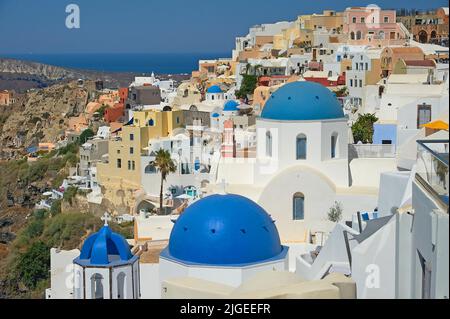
(432, 168)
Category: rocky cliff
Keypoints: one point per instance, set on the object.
(42, 115)
(48, 72)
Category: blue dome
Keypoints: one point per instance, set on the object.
(104, 247)
(214, 89)
(231, 106)
(224, 230)
(298, 101)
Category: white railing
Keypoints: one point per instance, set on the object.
(371, 150)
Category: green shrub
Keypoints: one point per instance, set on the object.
(335, 212)
(85, 135)
(55, 209)
(362, 129)
(69, 194)
(248, 86)
(34, 265)
(34, 229)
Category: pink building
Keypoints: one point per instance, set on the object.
(229, 144)
(372, 26)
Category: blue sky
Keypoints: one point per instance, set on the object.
(31, 26)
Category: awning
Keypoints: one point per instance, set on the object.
(436, 125)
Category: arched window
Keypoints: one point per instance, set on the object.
(151, 122)
(334, 139)
(298, 201)
(150, 169)
(352, 35)
(268, 144)
(358, 35)
(301, 146)
(121, 286)
(97, 286)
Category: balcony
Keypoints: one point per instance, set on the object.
(432, 168)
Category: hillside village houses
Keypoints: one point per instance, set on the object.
(246, 212)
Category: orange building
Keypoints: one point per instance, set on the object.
(390, 56)
(113, 114)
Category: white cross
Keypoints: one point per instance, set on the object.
(106, 218)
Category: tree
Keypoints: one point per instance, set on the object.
(362, 129)
(102, 109)
(85, 135)
(248, 86)
(342, 92)
(164, 163)
(335, 212)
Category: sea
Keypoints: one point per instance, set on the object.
(160, 63)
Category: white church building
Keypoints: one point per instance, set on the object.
(302, 165)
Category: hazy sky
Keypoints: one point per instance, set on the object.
(38, 26)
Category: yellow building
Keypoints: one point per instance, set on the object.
(285, 39)
(120, 177)
(328, 19)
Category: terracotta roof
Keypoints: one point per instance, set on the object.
(406, 50)
(424, 63)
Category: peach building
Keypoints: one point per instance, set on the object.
(92, 107)
(78, 123)
(261, 94)
(390, 56)
(372, 26)
(6, 97)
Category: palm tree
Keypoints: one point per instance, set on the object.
(164, 163)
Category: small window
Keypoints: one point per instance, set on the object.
(351, 82)
(386, 141)
(151, 122)
(360, 83)
(133, 165)
(119, 163)
(358, 35)
(131, 150)
(298, 206)
(423, 115)
(334, 139)
(129, 165)
(386, 19)
(97, 286)
(363, 20)
(268, 144)
(131, 137)
(354, 19)
(301, 144)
